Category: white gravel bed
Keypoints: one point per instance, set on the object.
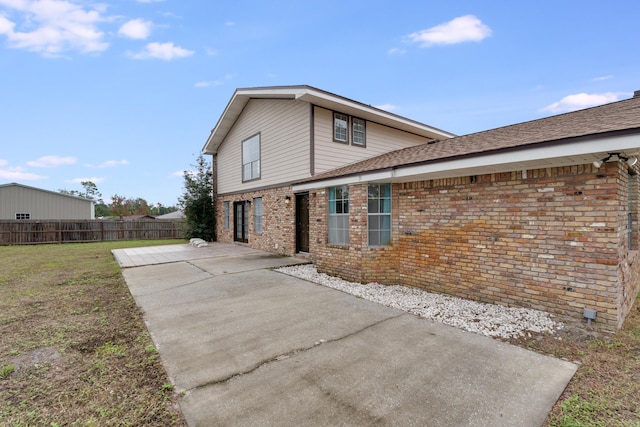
(486, 319)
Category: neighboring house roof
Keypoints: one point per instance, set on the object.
(15, 184)
(137, 217)
(172, 215)
(579, 137)
(317, 97)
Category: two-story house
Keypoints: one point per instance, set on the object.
(542, 214)
(272, 137)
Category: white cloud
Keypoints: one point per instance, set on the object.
(396, 51)
(386, 107)
(582, 100)
(17, 174)
(109, 164)
(601, 78)
(51, 161)
(229, 24)
(93, 179)
(164, 51)
(136, 29)
(52, 27)
(466, 28)
(218, 82)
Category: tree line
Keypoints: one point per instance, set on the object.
(120, 205)
(197, 202)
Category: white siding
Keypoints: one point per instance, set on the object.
(284, 144)
(380, 139)
(41, 204)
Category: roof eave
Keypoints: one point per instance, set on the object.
(577, 152)
(317, 97)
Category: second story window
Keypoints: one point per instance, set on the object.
(340, 127)
(349, 129)
(251, 158)
(358, 130)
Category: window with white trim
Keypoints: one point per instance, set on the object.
(358, 132)
(251, 158)
(379, 214)
(340, 127)
(22, 215)
(339, 215)
(227, 215)
(257, 215)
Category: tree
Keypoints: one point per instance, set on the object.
(197, 201)
(117, 205)
(90, 192)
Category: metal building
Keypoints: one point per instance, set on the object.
(21, 202)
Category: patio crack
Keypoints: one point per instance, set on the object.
(293, 353)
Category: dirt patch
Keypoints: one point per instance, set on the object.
(35, 357)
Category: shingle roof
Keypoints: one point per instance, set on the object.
(605, 119)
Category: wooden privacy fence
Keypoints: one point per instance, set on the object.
(37, 232)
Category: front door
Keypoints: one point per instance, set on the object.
(241, 222)
(302, 222)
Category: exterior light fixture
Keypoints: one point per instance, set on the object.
(630, 160)
(287, 199)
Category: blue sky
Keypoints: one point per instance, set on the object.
(124, 93)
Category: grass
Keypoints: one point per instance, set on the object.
(606, 388)
(74, 350)
(73, 347)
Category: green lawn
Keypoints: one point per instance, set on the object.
(73, 347)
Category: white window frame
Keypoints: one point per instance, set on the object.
(358, 132)
(22, 216)
(341, 128)
(379, 214)
(257, 215)
(251, 158)
(338, 224)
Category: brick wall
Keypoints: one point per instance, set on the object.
(278, 220)
(551, 239)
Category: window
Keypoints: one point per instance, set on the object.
(23, 216)
(339, 215)
(251, 158)
(227, 215)
(359, 132)
(257, 215)
(379, 214)
(340, 127)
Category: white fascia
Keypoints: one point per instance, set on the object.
(570, 153)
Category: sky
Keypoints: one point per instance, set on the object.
(124, 93)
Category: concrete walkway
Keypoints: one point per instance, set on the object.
(249, 346)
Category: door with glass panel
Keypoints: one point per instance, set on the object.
(241, 221)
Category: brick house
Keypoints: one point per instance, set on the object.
(541, 214)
